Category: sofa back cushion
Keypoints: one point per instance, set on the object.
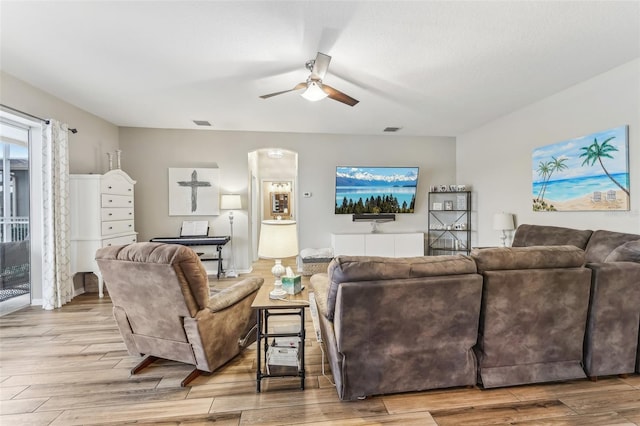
(371, 269)
(538, 257)
(627, 252)
(603, 243)
(540, 235)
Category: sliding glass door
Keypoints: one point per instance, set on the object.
(15, 285)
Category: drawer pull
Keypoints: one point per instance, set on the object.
(110, 214)
(129, 226)
(130, 201)
(111, 201)
(110, 187)
(111, 227)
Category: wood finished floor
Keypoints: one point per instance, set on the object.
(70, 367)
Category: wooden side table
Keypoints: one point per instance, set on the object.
(265, 308)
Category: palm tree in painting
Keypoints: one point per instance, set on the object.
(597, 151)
(557, 165)
(544, 170)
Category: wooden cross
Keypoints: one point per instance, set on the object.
(194, 184)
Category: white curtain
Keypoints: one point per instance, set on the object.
(57, 284)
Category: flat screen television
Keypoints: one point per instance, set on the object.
(375, 190)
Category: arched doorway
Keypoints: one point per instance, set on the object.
(273, 174)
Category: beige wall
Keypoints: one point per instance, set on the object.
(496, 158)
(148, 153)
(88, 147)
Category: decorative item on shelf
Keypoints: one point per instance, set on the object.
(443, 188)
(110, 157)
(437, 206)
(461, 202)
(503, 222)
(461, 188)
(231, 202)
(118, 159)
(278, 239)
(448, 205)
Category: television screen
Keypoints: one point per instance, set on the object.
(375, 190)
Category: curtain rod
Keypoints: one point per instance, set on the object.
(74, 131)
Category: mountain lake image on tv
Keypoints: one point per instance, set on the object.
(375, 190)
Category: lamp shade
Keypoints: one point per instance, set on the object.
(230, 202)
(278, 239)
(503, 222)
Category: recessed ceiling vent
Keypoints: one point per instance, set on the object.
(202, 123)
(391, 129)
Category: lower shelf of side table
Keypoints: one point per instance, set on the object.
(266, 308)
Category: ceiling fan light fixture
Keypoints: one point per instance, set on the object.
(314, 92)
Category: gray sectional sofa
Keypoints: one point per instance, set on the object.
(563, 304)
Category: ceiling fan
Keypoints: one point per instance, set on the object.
(315, 88)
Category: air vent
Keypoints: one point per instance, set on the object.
(391, 129)
(202, 123)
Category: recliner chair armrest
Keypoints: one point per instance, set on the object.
(232, 295)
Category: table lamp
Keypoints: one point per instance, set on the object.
(231, 202)
(503, 222)
(278, 239)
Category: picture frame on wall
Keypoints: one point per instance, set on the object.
(587, 173)
(194, 192)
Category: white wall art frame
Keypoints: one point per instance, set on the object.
(194, 192)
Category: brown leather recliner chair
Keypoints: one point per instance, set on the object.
(163, 307)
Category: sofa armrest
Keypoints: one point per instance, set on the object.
(319, 284)
(232, 295)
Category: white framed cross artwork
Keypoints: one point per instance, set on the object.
(194, 192)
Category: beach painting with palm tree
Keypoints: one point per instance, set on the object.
(583, 174)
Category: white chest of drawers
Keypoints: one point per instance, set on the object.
(101, 215)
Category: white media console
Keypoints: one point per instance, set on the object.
(387, 245)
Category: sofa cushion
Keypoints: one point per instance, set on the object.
(539, 235)
(602, 243)
(627, 252)
(537, 257)
(370, 268)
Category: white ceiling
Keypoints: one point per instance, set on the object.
(437, 68)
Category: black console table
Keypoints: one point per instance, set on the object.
(218, 241)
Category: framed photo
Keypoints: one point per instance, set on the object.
(448, 205)
(194, 192)
(437, 206)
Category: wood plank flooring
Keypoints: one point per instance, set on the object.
(70, 367)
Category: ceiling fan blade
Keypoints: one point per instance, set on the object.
(337, 95)
(298, 87)
(320, 66)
